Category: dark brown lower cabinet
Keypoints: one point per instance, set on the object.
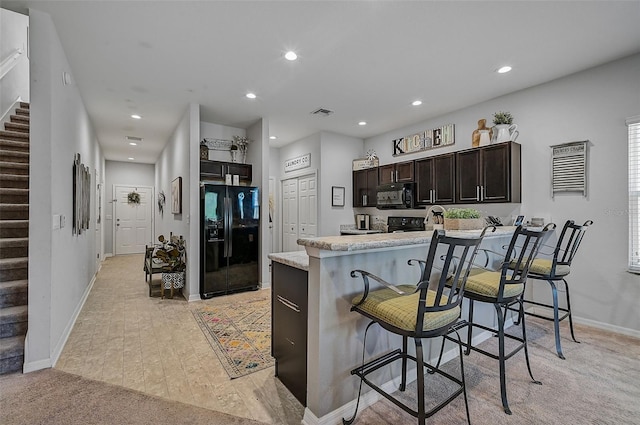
(289, 327)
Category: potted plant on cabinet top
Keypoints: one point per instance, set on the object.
(173, 256)
(505, 129)
(463, 219)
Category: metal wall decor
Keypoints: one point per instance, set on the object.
(81, 196)
(425, 140)
(569, 168)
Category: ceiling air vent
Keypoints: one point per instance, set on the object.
(322, 112)
(134, 139)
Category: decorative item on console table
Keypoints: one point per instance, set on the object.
(463, 219)
(505, 130)
(204, 150)
(173, 254)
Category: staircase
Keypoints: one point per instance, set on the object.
(14, 238)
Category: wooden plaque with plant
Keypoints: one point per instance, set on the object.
(463, 219)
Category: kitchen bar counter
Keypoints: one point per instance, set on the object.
(388, 240)
(295, 259)
(335, 334)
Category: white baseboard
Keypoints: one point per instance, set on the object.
(55, 355)
(607, 327)
(37, 365)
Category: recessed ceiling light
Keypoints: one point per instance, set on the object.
(136, 117)
(291, 55)
(133, 143)
(251, 95)
(272, 137)
(131, 158)
(504, 69)
(416, 103)
(362, 123)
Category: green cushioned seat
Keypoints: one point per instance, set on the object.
(401, 311)
(487, 283)
(542, 267)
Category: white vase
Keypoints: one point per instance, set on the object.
(505, 133)
(485, 140)
(234, 155)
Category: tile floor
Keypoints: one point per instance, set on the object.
(124, 337)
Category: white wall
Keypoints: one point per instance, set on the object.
(589, 105)
(337, 153)
(174, 161)
(13, 35)
(62, 265)
(125, 173)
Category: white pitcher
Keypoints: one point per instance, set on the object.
(506, 133)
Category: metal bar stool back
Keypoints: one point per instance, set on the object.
(503, 287)
(556, 270)
(431, 308)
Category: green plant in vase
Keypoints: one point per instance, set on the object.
(505, 129)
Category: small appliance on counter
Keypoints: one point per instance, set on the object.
(405, 224)
(362, 221)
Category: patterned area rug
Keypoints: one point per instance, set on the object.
(240, 334)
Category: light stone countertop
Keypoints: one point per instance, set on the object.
(385, 240)
(295, 259)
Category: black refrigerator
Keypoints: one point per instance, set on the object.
(230, 229)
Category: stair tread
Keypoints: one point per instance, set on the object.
(12, 347)
(14, 285)
(9, 176)
(4, 152)
(14, 223)
(9, 133)
(9, 242)
(14, 164)
(18, 310)
(13, 190)
(6, 262)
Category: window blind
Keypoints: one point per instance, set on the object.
(634, 193)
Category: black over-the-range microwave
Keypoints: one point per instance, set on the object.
(395, 195)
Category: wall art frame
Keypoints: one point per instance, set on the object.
(176, 196)
(337, 196)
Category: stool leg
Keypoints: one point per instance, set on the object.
(556, 320)
(464, 385)
(566, 287)
(501, 360)
(420, 372)
(526, 346)
(470, 334)
(403, 383)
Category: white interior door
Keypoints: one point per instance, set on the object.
(133, 222)
(308, 207)
(289, 215)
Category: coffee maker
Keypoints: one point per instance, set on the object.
(362, 221)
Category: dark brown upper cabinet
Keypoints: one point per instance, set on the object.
(396, 173)
(488, 174)
(216, 170)
(365, 183)
(435, 180)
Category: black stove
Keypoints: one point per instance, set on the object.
(405, 224)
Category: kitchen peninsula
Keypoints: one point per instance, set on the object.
(334, 335)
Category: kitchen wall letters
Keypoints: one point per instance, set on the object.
(425, 140)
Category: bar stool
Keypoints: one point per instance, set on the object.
(556, 270)
(503, 288)
(415, 311)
